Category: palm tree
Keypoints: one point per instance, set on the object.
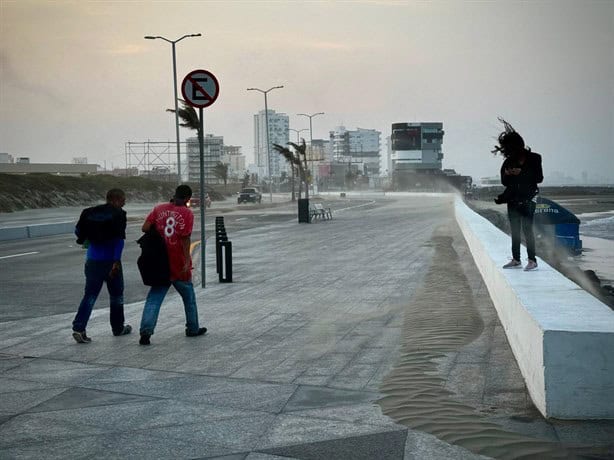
(294, 159)
(189, 117)
(301, 152)
(220, 170)
(245, 181)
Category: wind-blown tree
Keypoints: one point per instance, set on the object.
(188, 116)
(220, 170)
(301, 152)
(294, 159)
(189, 119)
(245, 181)
(291, 159)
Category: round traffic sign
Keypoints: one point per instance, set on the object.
(200, 88)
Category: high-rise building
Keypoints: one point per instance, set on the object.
(359, 147)
(278, 134)
(213, 151)
(235, 160)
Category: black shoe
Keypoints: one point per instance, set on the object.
(145, 339)
(201, 331)
(125, 331)
(81, 337)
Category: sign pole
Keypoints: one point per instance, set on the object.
(203, 240)
(200, 89)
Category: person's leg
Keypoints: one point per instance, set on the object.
(115, 286)
(186, 291)
(152, 309)
(94, 277)
(527, 229)
(514, 217)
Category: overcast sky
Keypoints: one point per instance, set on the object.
(78, 79)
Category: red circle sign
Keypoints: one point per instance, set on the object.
(200, 88)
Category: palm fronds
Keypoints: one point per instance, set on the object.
(188, 116)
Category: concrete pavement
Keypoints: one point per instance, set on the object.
(298, 348)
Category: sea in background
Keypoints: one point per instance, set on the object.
(597, 235)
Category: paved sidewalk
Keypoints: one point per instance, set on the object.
(297, 349)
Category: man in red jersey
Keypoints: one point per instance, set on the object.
(174, 222)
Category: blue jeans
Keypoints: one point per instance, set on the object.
(97, 273)
(154, 302)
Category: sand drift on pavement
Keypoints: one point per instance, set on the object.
(440, 319)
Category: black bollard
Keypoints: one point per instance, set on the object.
(226, 258)
(219, 239)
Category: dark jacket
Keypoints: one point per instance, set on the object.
(153, 262)
(523, 187)
(101, 223)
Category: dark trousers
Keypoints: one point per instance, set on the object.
(97, 273)
(521, 216)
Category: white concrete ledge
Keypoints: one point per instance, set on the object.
(562, 337)
(13, 233)
(36, 230)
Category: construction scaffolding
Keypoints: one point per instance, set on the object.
(154, 159)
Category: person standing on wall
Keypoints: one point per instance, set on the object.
(174, 222)
(521, 171)
(102, 229)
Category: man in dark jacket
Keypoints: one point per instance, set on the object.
(521, 171)
(102, 229)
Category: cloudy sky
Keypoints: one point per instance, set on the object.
(78, 79)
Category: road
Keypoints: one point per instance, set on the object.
(44, 276)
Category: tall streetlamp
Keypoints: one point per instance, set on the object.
(310, 132)
(172, 42)
(266, 122)
(298, 132)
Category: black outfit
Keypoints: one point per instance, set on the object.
(520, 192)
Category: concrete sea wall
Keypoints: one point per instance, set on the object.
(562, 337)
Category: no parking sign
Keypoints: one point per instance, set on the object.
(200, 88)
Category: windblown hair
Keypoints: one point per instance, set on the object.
(510, 142)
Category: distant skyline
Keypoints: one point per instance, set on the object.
(78, 78)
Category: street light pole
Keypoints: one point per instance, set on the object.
(172, 42)
(297, 131)
(266, 122)
(310, 136)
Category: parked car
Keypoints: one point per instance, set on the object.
(195, 200)
(249, 195)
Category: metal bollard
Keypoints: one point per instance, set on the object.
(226, 258)
(219, 238)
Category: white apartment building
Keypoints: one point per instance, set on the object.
(235, 161)
(5, 158)
(361, 146)
(278, 134)
(213, 152)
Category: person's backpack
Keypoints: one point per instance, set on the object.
(101, 223)
(153, 262)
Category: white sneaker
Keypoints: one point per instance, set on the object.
(513, 264)
(532, 265)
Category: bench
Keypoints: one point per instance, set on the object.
(317, 211)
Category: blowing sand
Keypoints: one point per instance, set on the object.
(441, 318)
